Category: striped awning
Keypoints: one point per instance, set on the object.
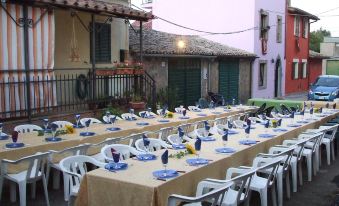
(95, 6)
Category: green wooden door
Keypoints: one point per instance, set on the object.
(184, 75)
(332, 67)
(229, 79)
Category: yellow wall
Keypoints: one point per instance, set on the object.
(63, 36)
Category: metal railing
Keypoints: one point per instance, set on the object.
(51, 94)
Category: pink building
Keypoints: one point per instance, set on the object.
(263, 20)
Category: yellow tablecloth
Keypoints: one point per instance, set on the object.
(136, 185)
(318, 104)
(35, 143)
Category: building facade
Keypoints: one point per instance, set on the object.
(298, 66)
(330, 48)
(193, 66)
(257, 28)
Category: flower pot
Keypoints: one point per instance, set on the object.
(137, 105)
(139, 71)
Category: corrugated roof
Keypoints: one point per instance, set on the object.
(294, 10)
(96, 6)
(316, 55)
(162, 43)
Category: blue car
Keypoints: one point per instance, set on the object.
(325, 88)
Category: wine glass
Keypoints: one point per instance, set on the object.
(45, 124)
(77, 120)
(197, 146)
(15, 135)
(225, 138)
(112, 120)
(116, 159)
(87, 123)
(149, 111)
(164, 160)
(107, 115)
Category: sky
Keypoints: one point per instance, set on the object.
(328, 20)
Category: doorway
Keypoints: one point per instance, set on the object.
(277, 78)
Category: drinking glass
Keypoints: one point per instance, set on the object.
(77, 120)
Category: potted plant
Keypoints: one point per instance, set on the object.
(137, 102)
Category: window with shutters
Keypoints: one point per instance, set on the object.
(305, 27)
(262, 83)
(297, 26)
(295, 69)
(304, 68)
(102, 43)
(264, 24)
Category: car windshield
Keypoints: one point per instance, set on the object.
(327, 82)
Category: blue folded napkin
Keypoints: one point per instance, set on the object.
(184, 112)
(164, 158)
(225, 135)
(267, 123)
(335, 106)
(248, 122)
(197, 144)
(181, 132)
(113, 119)
(145, 140)
(143, 114)
(230, 125)
(88, 122)
(248, 129)
(327, 105)
(292, 115)
(279, 122)
(15, 135)
(116, 157)
(302, 112)
(54, 127)
(311, 110)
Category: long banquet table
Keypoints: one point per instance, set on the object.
(34, 143)
(136, 185)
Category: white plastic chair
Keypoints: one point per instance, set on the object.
(239, 124)
(201, 132)
(93, 121)
(194, 109)
(148, 113)
(296, 159)
(35, 172)
(125, 151)
(237, 194)
(178, 109)
(188, 129)
(127, 116)
(164, 133)
(98, 156)
(283, 170)
(74, 168)
(328, 141)
(311, 151)
(155, 145)
(107, 119)
(258, 183)
(71, 151)
(175, 139)
(25, 128)
(160, 110)
(62, 124)
(216, 196)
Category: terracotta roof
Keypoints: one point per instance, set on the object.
(165, 44)
(294, 10)
(96, 6)
(316, 55)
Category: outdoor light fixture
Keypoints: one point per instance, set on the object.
(181, 44)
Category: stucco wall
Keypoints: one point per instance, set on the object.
(315, 68)
(157, 68)
(63, 36)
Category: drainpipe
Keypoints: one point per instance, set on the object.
(93, 57)
(27, 69)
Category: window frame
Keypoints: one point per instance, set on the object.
(305, 27)
(295, 69)
(263, 31)
(101, 27)
(297, 27)
(279, 29)
(262, 75)
(304, 69)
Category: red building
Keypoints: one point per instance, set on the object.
(298, 66)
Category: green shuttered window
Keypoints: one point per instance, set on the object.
(102, 43)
